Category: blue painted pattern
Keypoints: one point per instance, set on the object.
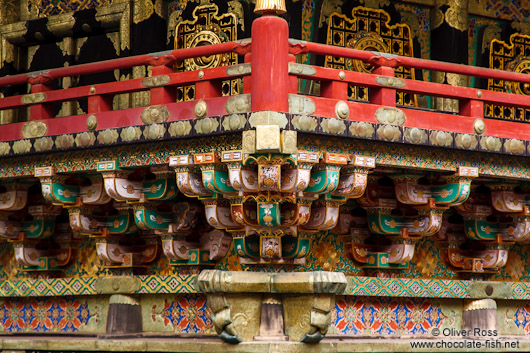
(385, 316)
(187, 314)
(43, 315)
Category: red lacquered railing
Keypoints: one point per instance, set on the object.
(270, 83)
(382, 94)
(43, 98)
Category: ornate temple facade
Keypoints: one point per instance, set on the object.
(264, 175)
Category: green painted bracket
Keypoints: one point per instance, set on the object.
(295, 247)
(198, 257)
(453, 193)
(161, 189)
(121, 224)
(379, 260)
(324, 181)
(247, 247)
(39, 228)
(269, 214)
(217, 181)
(428, 222)
(45, 264)
(150, 219)
(383, 223)
(480, 229)
(58, 193)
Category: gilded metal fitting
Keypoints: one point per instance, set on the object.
(201, 108)
(479, 126)
(270, 7)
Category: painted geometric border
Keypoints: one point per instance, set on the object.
(48, 287)
(417, 156)
(408, 149)
(128, 155)
(167, 284)
(425, 288)
(87, 286)
(406, 287)
(185, 284)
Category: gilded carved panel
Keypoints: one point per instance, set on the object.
(43, 8)
(206, 28)
(369, 29)
(513, 56)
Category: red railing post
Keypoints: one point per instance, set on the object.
(162, 95)
(99, 103)
(42, 110)
(334, 89)
(472, 108)
(384, 95)
(207, 89)
(270, 60)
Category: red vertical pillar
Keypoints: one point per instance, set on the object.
(270, 58)
(99, 103)
(383, 95)
(162, 95)
(43, 110)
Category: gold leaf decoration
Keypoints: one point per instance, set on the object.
(304, 123)
(131, 133)
(362, 129)
(85, 139)
(234, 122)
(106, 137)
(34, 129)
(21, 146)
(389, 133)
(64, 141)
(4, 148)
(466, 141)
(43, 144)
(179, 128)
(333, 126)
(154, 131)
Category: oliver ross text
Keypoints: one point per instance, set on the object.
(475, 332)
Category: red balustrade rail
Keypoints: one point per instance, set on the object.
(383, 87)
(166, 58)
(270, 83)
(43, 98)
(390, 60)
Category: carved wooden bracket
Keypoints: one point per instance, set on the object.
(304, 295)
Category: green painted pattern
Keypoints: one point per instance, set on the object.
(121, 224)
(324, 181)
(150, 219)
(161, 189)
(40, 228)
(61, 193)
(217, 181)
